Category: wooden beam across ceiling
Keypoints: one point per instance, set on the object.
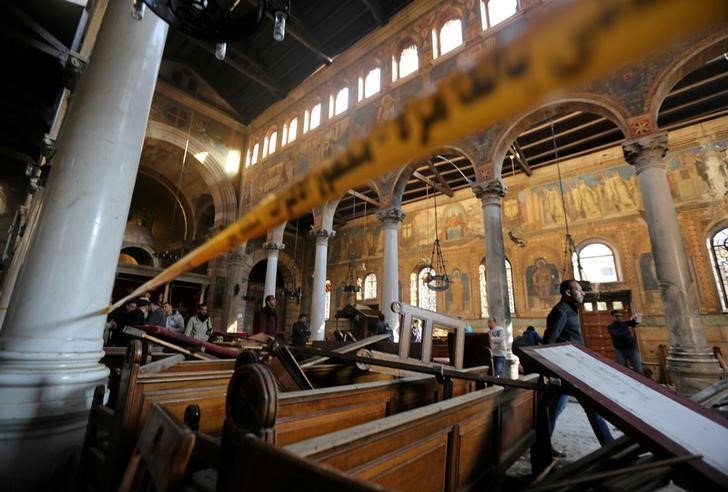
(367, 199)
(375, 7)
(298, 31)
(438, 186)
(269, 86)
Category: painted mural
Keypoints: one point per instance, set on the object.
(457, 297)
(542, 284)
(596, 195)
(700, 171)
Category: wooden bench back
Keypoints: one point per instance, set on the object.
(447, 445)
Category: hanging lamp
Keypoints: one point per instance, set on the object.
(351, 286)
(437, 279)
(569, 246)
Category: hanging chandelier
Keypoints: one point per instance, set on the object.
(569, 246)
(351, 286)
(437, 278)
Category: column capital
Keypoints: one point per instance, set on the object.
(391, 215)
(321, 233)
(274, 246)
(490, 190)
(645, 152)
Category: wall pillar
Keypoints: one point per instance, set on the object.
(490, 194)
(690, 361)
(318, 314)
(234, 304)
(52, 338)
(391, 218)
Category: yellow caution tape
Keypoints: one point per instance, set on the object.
(573, 43)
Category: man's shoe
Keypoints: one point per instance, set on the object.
(557, 454)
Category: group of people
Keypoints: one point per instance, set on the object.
(563, 325)
(148, 311)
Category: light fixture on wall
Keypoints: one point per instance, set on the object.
(280, 17)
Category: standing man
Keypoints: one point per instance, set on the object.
(174, 320)
(199, 325)
(383, 328)
(623, 339)
(266, 320)
(563, 325)
(156, 314)
(497, 347)
(300, 332)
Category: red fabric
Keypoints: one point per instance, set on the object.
(185, 341)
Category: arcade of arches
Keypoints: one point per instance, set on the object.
(606, 163)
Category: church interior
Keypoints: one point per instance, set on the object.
(129, 143)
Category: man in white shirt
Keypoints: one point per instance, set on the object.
(497, 347)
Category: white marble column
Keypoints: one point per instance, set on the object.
(52, 339)
(690, 361)
(234, 304)
(391, 218)
(490, 194)
(318, 316)
(271, 268)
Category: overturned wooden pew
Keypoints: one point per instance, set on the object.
(688, 443)
(175, 384)
(446, 445)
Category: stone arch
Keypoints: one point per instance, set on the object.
(591, 103)
(399, 183)
(324, 216)
(182, 201)
(259, 255)
(695, 56)
(214, 175)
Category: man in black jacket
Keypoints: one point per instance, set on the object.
(563, 325)
(623, 339)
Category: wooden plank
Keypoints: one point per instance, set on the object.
(345, 349)
(641, 408)
(161, 364)
(136, 332)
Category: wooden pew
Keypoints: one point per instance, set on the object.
(111, 433)
(449, 445)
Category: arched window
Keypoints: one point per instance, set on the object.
(597, 262)
(269, 142)
(370, 83)
(420, 294)
(484, 295)
(449, 37)
(289, 131)
(718, 246)
(252, 155)
(327, 299)
(370, 286)
(493, 12)
(339, 103)
(312, 118)
(406, 63)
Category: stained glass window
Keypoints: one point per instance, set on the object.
(718, 246)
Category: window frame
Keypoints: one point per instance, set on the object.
(485, 22)
(370, 278)
(590, 243)
(362, 86)
(437, 37)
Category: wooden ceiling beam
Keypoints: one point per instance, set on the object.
(275, 91)
(375, 7)
(442, 189)
(297, 31)
(365, 198)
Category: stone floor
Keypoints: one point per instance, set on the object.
(573, 435)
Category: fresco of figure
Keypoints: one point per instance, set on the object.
(542, 280)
